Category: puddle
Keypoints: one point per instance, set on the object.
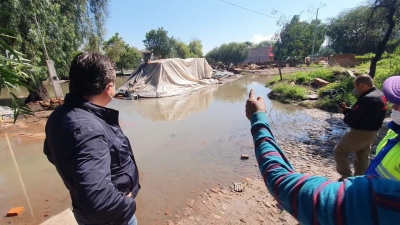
(183, 145)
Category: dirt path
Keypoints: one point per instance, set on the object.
(255, 205)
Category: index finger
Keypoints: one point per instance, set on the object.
(251, 94)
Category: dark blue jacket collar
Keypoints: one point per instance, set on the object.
(107, 114)
(393, 126)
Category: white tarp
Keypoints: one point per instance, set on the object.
(169, 77)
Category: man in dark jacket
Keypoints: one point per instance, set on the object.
(365, 118)
(88, 148)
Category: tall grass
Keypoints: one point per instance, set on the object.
(306, 78)
(290, 92)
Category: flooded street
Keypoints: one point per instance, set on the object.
(182, 145)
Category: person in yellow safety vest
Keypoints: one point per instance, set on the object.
(386, 163)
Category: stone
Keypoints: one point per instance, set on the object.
(190, 202)
(215, 190)
(244, 156)
(312, 97)
(350, 73)
(216, 216)
(320, 82)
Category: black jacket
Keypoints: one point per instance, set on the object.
(94, 159)
(369, 111)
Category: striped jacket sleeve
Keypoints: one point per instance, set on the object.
(310, 199)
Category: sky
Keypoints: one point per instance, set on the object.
(214, 22)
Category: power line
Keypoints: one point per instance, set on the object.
(278, 4)
(250, 10)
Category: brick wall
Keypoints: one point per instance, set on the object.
(258, 55)
(345, 60)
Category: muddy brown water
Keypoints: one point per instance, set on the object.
(183, 145)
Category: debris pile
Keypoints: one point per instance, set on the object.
(6, 112)
(248, 66)
(46, 105)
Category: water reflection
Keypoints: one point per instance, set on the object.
(232, 92)
(174, 108)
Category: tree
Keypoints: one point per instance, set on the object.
(196, 48)
(115, 47)
(124, 56)
(233, 52)
(350, 32)
(295, 39)
(263, 44)
(50, 29)
(391, 11)
(159, 42)
(181, 49)
(15, 72)
(130, 59)
(249, 44)
(326, 51)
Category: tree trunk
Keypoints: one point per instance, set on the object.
(280, 72)
(38, 92)
(382, 44)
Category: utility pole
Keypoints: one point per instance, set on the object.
(315, 34)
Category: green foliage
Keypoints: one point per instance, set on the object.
(124, 56)
(196, 48)
(115, 48)
(130, 59)
(337, 79)
(159, 42)
(15, 72)
(295, 39)
(326, 51)
(63, 26)
(263, 44)
(343, 81)
(386, 67)
(367, 56)
(233, 52)
(305, 78)
(290, 92)
(181, 49)
(355, 31)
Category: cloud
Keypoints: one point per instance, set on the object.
(257, 38)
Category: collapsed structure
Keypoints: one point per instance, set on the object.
(167, 77)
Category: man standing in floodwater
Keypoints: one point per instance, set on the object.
(88, 148)
(365, 118)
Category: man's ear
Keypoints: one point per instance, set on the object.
(110, 85)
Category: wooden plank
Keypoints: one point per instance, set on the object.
(54, 79)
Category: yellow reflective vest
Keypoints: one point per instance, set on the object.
(389, 167)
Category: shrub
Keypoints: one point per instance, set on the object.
(324, 102)
(305, 78)
(290, 92)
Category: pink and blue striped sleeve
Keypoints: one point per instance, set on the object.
(309, 199)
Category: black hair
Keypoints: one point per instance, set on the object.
(90, 73)
(364, 79)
